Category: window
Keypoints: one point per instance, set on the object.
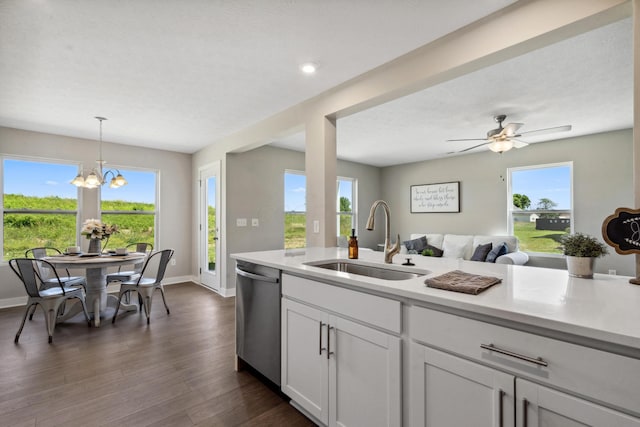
(541, 206)
(295, 185)
(132, 208)
(39, 206)
(295, 215)
(346, 208)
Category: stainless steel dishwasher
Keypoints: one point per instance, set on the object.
(258, 318)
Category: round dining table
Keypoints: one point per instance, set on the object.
(96, 266)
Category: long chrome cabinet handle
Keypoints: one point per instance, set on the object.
(525, 406)
(258, 277)
(329, 352)
(500, 408)
(537, 361)
(320, 347)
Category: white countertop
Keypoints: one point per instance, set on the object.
(606, 308)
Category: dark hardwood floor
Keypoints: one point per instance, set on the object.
(177, 371)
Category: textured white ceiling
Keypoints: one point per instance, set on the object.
(181, 74)
(585, 81)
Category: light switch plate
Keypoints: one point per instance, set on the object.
(316, 226)
(241, 222)
(254, 222)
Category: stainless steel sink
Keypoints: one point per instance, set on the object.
(369, 270)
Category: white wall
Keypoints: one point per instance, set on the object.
(602, 182)
(174, 202)
(255, 185)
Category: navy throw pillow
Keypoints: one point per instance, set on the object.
(481, 252)
(496, 252)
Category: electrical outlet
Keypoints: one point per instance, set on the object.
(254, 222)
(173, 261)
(612, 272)
(241, 222)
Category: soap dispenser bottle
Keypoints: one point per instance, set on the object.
(353, 245)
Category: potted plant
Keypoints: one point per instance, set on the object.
(581, 251)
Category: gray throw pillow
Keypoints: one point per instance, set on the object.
(416, 244)
(496, 252)
(481, 252)
(435, 252)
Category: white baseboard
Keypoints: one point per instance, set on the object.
(21, 301)
(222, 292)
(13, 302)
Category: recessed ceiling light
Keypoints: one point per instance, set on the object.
(308, 68)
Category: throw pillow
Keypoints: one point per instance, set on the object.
(451, 250)
(496, 252)
(417, 245)
(435, 252)
(481, 252)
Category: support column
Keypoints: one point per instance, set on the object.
(320, 165)
(636, 112)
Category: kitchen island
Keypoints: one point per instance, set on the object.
(539, 347)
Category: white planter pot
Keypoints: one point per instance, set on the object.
(580, 266)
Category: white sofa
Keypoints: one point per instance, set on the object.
(455, 245)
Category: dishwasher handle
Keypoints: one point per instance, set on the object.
(254, 276)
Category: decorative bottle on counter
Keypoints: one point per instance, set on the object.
(353, 245)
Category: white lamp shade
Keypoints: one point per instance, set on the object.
(500, 146)
(92, 180)
(78, 181)
(120, 180)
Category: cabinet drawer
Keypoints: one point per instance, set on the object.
(596, 374)
(374, 310)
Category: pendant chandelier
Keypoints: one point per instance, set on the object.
(96, 177)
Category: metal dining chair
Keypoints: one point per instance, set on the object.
(50, 299)
(50, 277)
(148, 281)
(46, 274)
(128, 275)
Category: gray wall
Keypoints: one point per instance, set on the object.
(255, 189)
(174, 173)
(602, 182)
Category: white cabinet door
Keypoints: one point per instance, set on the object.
(304, 358)
(450, 391)
(537, 405)
(364, 376)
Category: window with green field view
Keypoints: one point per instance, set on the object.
(295, 184)
(346, 193)
(40, 207)
(295, 215)
(132, 208)
(541, 208)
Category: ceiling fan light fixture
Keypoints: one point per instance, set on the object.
(500, 146)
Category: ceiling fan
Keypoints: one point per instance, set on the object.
(503, 139)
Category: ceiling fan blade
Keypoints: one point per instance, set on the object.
(564, 128)
(471, 148)
(511, 129)
(519, 144)
(468, 139)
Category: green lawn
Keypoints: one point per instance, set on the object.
(295, 230)
(24, 231)
(532, 240)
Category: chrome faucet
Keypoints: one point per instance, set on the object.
(389, 250)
